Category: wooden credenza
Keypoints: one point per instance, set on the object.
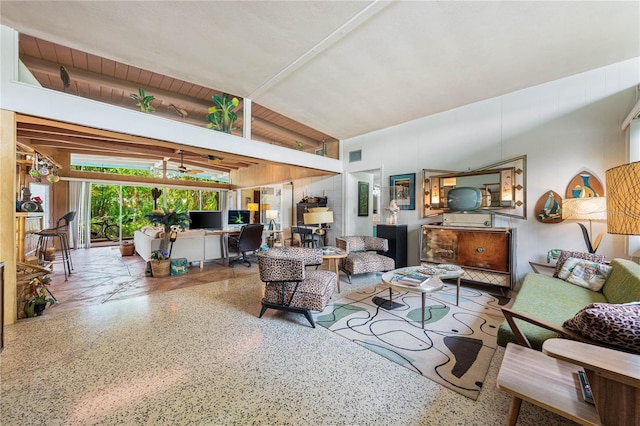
(487, 255)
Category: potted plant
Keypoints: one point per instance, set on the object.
(40, 296)
(221, 115)
(143, 101)
(160, 263)
(168, 218)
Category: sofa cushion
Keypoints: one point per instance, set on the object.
(615, 325)
(548, 299)
(566, 254)
(623, 284)
(153, 231)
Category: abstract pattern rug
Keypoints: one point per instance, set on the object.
(454, 348)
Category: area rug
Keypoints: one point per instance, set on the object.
(455, 347)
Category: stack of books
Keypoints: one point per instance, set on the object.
(415, 279)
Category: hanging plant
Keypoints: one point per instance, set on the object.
(221, 115)
(143, 101)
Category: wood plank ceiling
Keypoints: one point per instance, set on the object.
(111, 82)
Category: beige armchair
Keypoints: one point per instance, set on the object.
(290, 286)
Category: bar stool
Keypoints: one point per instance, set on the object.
(48, 236)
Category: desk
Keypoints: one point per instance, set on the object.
(332, 254)
(224, 243)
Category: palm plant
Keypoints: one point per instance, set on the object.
(221, 115)
(143, 101)
(168, 218)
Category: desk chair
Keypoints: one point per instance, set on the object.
(61, 232)
(249, 241)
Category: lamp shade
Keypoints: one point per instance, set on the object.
(253, 207)
(623, 199)
(593, 208)
(318, 218)
(271, 214)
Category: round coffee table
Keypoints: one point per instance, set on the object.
(436, 272)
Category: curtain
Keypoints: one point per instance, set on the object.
(80, 201)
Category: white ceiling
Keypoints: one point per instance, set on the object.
(346, 68)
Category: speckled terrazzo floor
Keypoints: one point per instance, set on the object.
(200, 355)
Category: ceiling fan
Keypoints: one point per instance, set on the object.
(183, 169)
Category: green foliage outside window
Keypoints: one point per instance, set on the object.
(137, 201)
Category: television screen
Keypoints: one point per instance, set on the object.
(239, 217)
(205, 219)
(464, 198)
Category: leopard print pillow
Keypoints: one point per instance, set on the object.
(616, 325)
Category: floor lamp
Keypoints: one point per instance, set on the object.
(593, 208)
(623, 200)
(272, 215)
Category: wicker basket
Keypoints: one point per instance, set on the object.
(161, 268)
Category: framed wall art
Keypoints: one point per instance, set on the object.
(403, 189)
(363, 198)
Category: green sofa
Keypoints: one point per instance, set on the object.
(544, 303)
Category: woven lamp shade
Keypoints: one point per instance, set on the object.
(623, 199)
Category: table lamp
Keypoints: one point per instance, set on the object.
(318, 218)
(593, 208)
(273, 215)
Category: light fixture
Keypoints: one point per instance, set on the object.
(273, 215)
(593, 208)
(318, 218)
(623, 199)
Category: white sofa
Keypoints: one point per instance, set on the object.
(195, 245)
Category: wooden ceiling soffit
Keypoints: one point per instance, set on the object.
(266, 174)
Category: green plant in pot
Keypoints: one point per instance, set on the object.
(143, 101)
(168, 218)
(221, 115)
(40, 296)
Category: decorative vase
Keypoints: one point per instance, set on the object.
(161, 268)
(38, 308)
(587, 190)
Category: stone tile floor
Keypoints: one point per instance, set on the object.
(102, 274)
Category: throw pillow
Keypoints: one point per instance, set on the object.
(568, 266)
(589, 274)
(566, 254)
(616, 325)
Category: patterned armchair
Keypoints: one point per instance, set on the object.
(290, 286)
(363, 255)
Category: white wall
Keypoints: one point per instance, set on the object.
(562, 126)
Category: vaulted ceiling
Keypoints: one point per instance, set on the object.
(343, 68)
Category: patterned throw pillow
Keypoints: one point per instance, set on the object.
(567, 267)
(565, 254)
(591, 275)
(616, 325)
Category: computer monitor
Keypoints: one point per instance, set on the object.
(206, 219)
(238, 217)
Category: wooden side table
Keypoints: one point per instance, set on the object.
(332, 255)
(549, 380)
